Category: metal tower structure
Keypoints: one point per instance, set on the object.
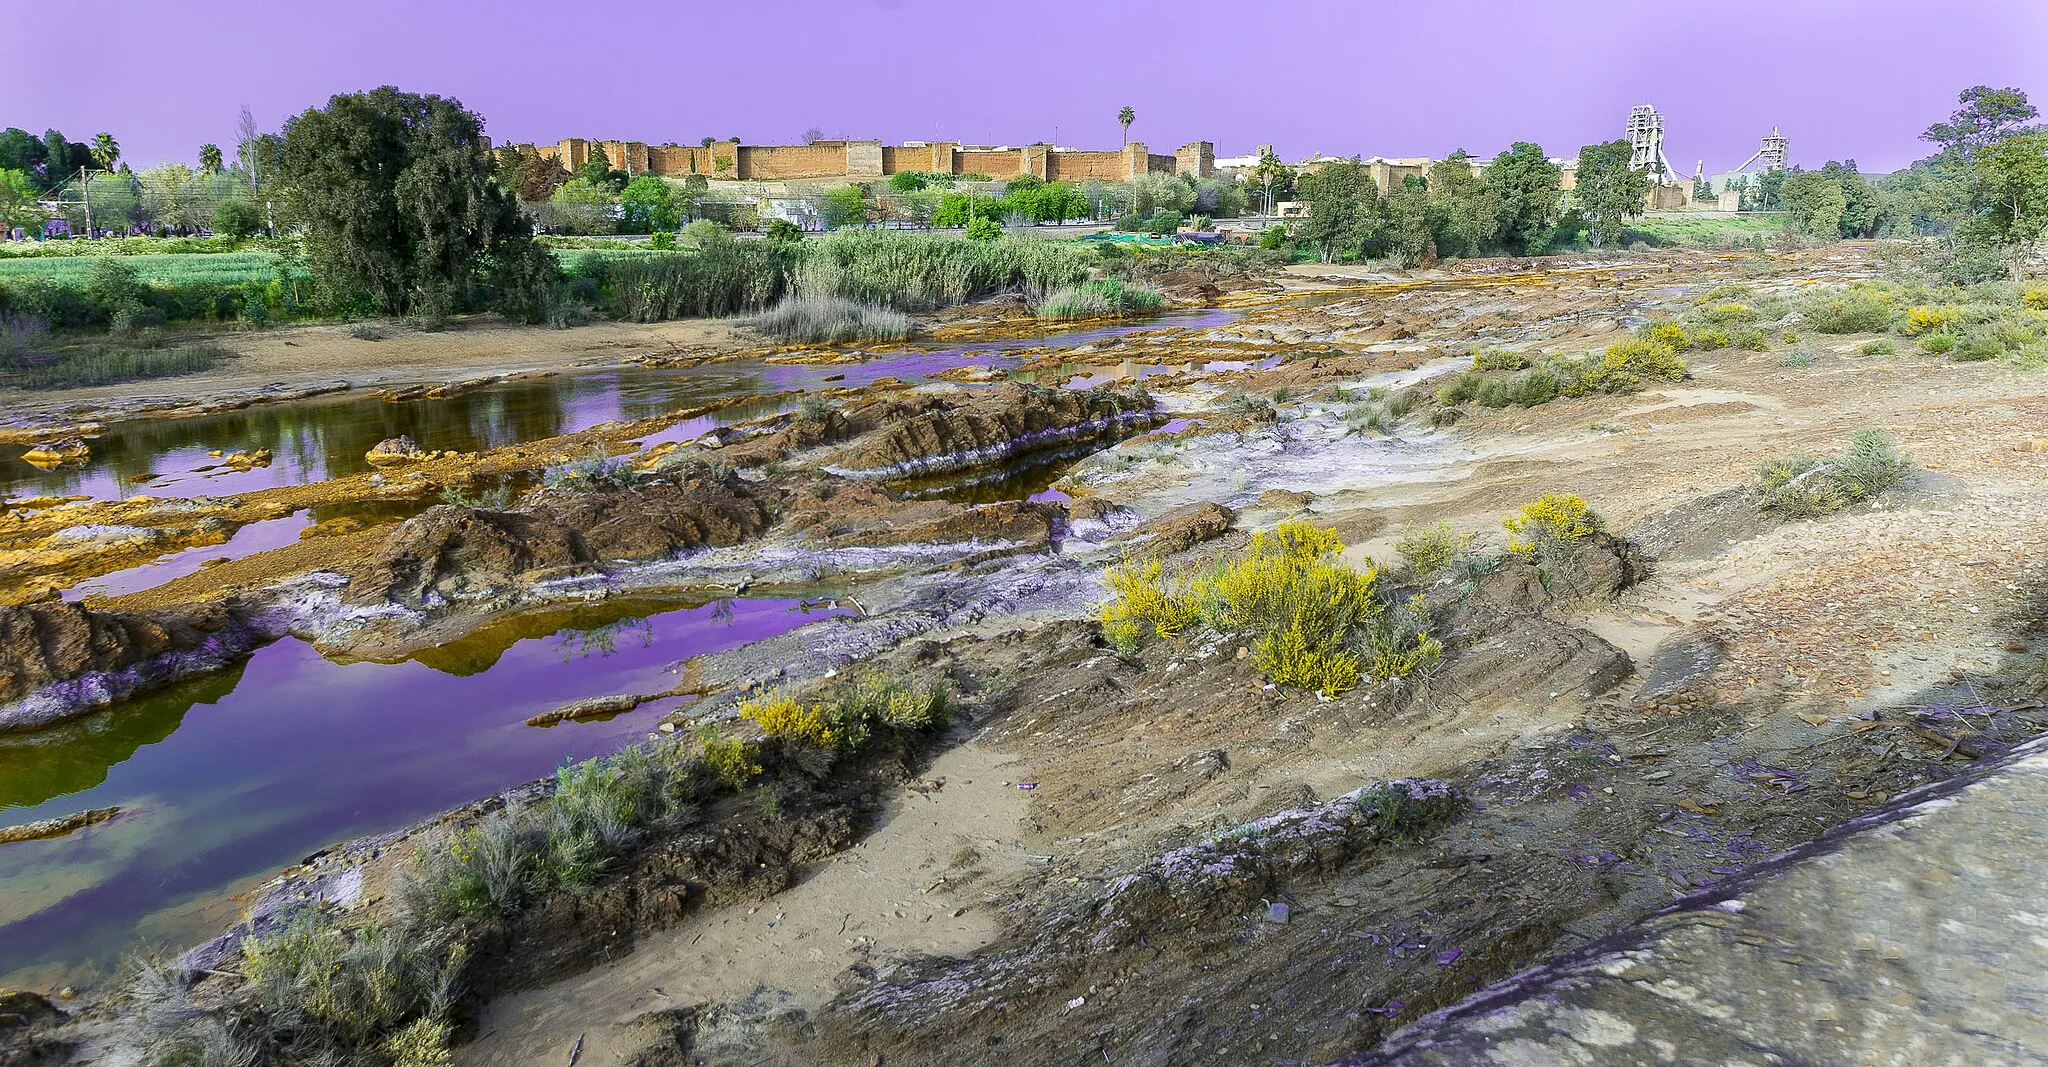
(1646, 143)
(1772, 154)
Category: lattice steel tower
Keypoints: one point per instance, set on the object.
(1646, 143)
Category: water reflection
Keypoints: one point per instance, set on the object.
(325, 437)
(229, 777)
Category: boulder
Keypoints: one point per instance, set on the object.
(1184, 527)
(391, 450)
(58, 453)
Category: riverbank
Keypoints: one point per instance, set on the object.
(1177, 857)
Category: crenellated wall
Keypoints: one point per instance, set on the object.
(867, 160)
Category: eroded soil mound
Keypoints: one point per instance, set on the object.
(102, 656)
(452, 552)
(953, 432)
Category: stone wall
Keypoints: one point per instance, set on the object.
(867, 160)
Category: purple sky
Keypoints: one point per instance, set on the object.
(1845, 78)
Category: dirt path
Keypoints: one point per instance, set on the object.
(914, 887)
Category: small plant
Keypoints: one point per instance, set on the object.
(1925, 319)
(732, 763)
(1749, 339)
(1883, 346)
(1850, 311)
(1498, 359)
(813, 408)
(662, 241)
(496, 498)
(349, 991)
(1799, 357)
(1671, 335)
(599, 471)
(1430, 549)
(831, 320)
(781, 715)
(1550, 522)
(768, 800)
(1801, 486)
(1252, 406)
(1940, 344)
(366, 331)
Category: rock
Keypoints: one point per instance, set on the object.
(400, 449)
(1285, 499)
(1895, 938)
(589, 708)
(20, 1008)
(46, 828)
(247, 460)
(951, 433)
(58, 660)
(1184, 527)
(58, 453)
(449, 552)
(1278, 913)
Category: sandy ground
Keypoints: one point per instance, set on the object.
(914, 886)
(313, 356)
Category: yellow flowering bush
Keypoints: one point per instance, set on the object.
(1671, 335)
(1925, 319)
(734, 763)
(1551, 519)
(2035, 298)
(1303, 609)
(781, 715)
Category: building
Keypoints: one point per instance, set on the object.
(867, 160)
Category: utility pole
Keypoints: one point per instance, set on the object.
(85, 194)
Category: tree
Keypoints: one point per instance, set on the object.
(1343, 212)
(813, 135)
(1863, 209)
(105, 150)
(209, 158)
(1609, 191)
(648, 204)
(1815, 203)
(1124, 118)
(1468, 210)
(580, 206)
(843, 206)
(1987, 116)
(395, 195)
(17, 199)
(250, 150)
(23, 151)
(237, 218)
(1407, 236)
(1530, 189)
(1274, 179)
(2012, 178)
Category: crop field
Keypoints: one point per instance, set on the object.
(228, 268)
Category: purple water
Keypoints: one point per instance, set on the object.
(230, 777)
(325, 437)
(255, 537)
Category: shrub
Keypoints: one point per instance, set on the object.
(1920, 320)
(1710, 338)
(1940, 344)
(1432, 548)
(1977, 346)
(1854, 311)
(1312, 621)
(662, 241)
(1625, 365)
(330, 992)
(783, 231)
(1730, 313)
(1801, 486)
(2035, 298)
(732, 763)
(781, 715)
(237, 219)
(1749, 338)
(1552, 521)
(1101, 298)
(1883, 346)
(598, 471)
(984, 228)
(830, 320)
(1671, 335)
(1498, 359)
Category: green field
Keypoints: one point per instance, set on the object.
(1706, 231)
(228, 268)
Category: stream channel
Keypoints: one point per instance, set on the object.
(224, 779)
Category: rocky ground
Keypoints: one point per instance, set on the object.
(1162, 859)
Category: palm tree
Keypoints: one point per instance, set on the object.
(105, 150)
(1124, 118)
(209, 158)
